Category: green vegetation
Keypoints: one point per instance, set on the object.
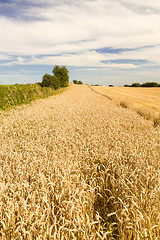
(136, 85)
(147, 84)
(59, 79)
(18, 94)
(96, 85)
(62, 74)
(77, 82)
(50, 81)
(150, 84)
(13, 95)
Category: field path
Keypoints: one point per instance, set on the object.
(51, 152)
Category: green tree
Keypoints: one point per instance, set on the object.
(50, 81)
(75, 81)
(55, 83)
(79, 82)
(46, 80)
(136, 85)
(61, 72)
(150, 84)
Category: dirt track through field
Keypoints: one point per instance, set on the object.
(58, 142)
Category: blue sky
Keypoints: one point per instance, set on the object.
(100, 41)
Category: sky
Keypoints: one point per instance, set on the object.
(99, 41)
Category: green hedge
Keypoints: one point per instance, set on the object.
(18, 94)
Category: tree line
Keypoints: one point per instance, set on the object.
(147, 84)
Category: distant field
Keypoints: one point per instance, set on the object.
(145, 101)
(139, 97)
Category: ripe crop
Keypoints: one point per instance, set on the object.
(145, 101)
(77, 166)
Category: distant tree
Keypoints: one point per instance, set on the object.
(146, 84)
(56, 84)
(46, 80)
(50, 81)
(136, 85)
(79, 82)
(61, 72)
(96, 85)
(110, 85)
(149, 84)
(153, 84)
(75, 81)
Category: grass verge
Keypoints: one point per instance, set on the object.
(18, 94)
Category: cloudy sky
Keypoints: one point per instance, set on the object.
(100, 41)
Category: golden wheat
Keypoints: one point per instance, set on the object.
(145, 101)
(76, 166)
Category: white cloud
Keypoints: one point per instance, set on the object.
(75, 29)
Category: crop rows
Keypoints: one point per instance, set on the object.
(76, 166)
(145, 101)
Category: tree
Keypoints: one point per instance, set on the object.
(75, 81)
(150, 84)
(46, 80)
(79, 82)
(50, 81)
(55, 83)
(136, 85)
(62, 74)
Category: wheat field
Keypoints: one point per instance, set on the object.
(140, 97)
(78, 166)
(145, 101)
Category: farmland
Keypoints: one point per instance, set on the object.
(145, 100)
(80, 166)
